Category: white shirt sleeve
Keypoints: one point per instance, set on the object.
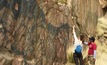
(76, 41)
(86, 43)
(94, 53)
(75, 36)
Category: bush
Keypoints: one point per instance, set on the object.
(70, 58)
(62, 1)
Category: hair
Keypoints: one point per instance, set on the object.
(82, 38)
(93, 40)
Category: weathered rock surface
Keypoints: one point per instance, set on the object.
(103, 3)
(38, 32)
(102, 29)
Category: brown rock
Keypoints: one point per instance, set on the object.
(103, 3)
(37, 32)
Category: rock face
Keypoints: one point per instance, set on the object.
(102, 29)
(103, 3)
(35, 32)
(102, 25)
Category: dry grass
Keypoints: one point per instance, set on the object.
(62, 1)
(70, 54)
(101, 54)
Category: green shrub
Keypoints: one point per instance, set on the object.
(70, 58)
(62, 1)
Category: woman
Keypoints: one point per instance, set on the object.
(77, 50)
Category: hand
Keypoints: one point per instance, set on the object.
(73, 26)
(94, 59)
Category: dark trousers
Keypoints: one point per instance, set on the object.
(78, 58)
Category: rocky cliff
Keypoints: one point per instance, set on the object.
(38, 32)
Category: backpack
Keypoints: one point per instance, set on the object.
(78, 49)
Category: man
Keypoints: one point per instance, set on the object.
(91, 52)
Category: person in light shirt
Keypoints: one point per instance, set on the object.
(78, 57)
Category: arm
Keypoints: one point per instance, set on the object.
(94, 53)
(74, 34)
(75, 39)
(86, 43)
(95, 47)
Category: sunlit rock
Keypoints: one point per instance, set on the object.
(102, 29)
(103, 3)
